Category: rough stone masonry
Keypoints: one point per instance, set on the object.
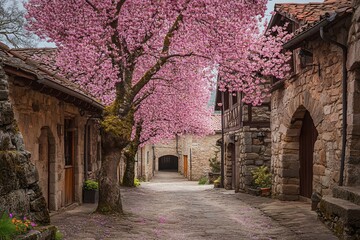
(19, 190)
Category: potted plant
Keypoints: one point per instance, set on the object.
(90, 191)
(262, 179)
(217, 182)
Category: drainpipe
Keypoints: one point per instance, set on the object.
(344, 100)
(190, 166)
(222, 141)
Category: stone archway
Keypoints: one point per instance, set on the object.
(168, 163)
(46, 167)
(296, 156)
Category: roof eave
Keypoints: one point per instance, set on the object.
(298, 39)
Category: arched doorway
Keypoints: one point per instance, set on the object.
(46, 166)
(168, 163)
(307, 139)
(297, 159)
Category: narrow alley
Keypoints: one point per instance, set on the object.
(170, 207)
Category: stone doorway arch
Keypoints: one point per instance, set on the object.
(46, 166)
(168, 163)
(297, 156)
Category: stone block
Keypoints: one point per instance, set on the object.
(27, 174)
(290, 189)
(6, 113)
(257, 148)
(319, 170)
(8, 178)
(252, 156)
(289, 173)
(4, 95)
(291, 146)
(38, 204)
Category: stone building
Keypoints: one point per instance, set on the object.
(247, 142)
(314, 113)
(186, 154)
(58, 124)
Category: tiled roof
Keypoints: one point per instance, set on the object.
(308, 13)
(44, 58)
(28, 61)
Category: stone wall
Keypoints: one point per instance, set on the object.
(248, 150)
(19, 189)
(319, 93)
(255, 151)
(167, 147)
(352, 166)
(41, 120)
(198, 151)
(202, 150)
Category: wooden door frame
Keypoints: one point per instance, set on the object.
(73, 130)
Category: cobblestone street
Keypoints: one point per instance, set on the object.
(171, 207)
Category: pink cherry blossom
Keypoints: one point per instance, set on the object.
(166, 54)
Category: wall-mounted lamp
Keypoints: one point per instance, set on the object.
(307, 59)
(261, 136)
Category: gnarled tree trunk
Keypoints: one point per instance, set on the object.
(115, 137)
(109, 187)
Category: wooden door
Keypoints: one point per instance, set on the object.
(69, 145)
(308, 136)
(168, 163)
(185, 165)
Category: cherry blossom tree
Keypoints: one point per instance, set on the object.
(173, 108)
(115, 48)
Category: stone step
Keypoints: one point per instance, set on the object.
(351, 194)
(347, 211)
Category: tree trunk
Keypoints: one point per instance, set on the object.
(129, 174)
(116, 135)
(129, 155)
(109, 187)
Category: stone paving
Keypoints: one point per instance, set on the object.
(170, 207)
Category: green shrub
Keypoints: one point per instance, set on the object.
(7, 228)
(91, 185)
(11, 226)
(136, 182)
(262, 177)
(203, 180)
(58, 235)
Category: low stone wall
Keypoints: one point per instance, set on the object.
(41, 233)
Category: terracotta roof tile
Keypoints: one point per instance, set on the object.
(29, 60)
(307, 13)
(45, 59)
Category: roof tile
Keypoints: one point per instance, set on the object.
(311, 12)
